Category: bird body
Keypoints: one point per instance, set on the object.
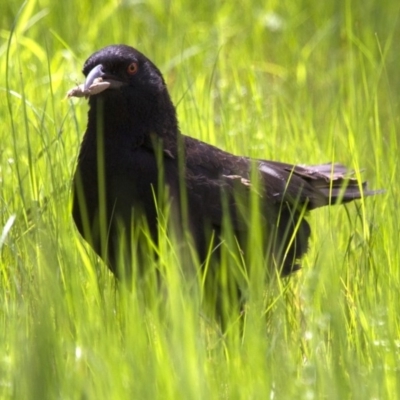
(133, 150)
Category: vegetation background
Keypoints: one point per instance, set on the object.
(298, 81)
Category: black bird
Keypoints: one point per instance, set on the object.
(133, 142)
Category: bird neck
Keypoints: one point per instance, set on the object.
(133, 122)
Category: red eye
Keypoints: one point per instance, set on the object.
(132, 68)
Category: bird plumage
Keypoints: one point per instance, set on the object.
(132, 136)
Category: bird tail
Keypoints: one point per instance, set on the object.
(335, 182)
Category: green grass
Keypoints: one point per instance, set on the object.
(297, 81)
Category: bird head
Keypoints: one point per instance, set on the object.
(130, 88)
(119, 67)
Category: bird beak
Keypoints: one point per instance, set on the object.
(96, 82)
(95, 75)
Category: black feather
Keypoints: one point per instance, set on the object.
(118, 171)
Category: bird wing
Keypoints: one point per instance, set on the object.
(297, 186)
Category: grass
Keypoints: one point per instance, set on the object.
(297, 81)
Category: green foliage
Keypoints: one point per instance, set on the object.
(300, 81)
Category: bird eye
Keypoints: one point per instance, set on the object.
(132, 68)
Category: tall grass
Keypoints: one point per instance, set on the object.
(303, 82)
